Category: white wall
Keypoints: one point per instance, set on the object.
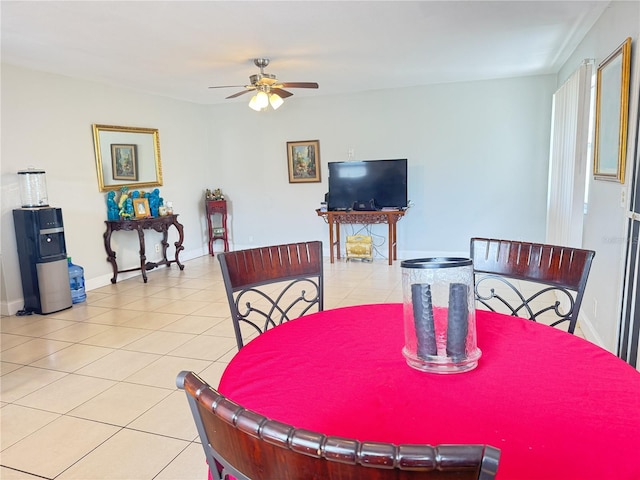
(477, 155)
(605, 222)
(477, 162)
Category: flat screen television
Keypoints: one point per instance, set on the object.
(383, 181)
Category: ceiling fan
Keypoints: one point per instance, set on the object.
(267, 87)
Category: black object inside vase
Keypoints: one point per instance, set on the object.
(423, 319)
(457, 321)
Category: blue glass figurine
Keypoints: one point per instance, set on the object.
(123, 198)
(112, 207)
(154, 202)
(126, 211)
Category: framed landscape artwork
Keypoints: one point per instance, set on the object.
(124, 162)
(303, 159)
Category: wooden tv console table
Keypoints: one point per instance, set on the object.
(159, 224)
(334, 219)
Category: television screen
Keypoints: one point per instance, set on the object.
(383, 181)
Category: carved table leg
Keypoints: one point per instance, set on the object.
(330, 238)
(165, 244)
(225, 238)
(111, 255)
(143, 258)
(226, 232)
(390, 240)
(178, 244)
(210, 227)
(394, 234)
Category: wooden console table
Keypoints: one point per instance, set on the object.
(159, 224)
(214, 207)
(390, 217)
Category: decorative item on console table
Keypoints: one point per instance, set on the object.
(154, 202)
(126, 212)
(135, 204)
(112, 207)
(214, 195)
(141, 207)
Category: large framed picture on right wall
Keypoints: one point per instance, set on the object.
(612, 111)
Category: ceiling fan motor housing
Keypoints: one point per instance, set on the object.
(262, 79)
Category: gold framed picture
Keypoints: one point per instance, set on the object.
(303, 159)
(612, 110)
(141, 208)
(134, 153)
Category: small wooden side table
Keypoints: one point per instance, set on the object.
(219, 207)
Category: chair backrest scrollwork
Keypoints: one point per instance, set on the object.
(560, 274)
(267, 286)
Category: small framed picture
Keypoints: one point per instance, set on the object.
(304, 161)
(124, 162)
(141, 208)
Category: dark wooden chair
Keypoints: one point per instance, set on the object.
(556, 277)
(243, 444)
(267, 286)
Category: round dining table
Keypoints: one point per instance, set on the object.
(556, 405)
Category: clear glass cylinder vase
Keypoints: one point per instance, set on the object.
(33, 188)
(439, 315)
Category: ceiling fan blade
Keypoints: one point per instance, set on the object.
(237, 94)
(299, 85)
(281, 93)
(228, 86)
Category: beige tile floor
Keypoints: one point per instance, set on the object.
(89, 393)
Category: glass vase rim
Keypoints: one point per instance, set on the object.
(437, 262)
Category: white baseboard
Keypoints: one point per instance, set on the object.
(103, 280)
(10, 307)
(590, 333)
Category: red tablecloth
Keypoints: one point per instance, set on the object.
(556, 405)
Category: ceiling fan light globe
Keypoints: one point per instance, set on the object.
(275, 101)
(253, 103)
(262, 99)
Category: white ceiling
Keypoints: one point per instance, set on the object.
(177, 49)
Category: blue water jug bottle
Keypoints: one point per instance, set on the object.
(76, 282)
